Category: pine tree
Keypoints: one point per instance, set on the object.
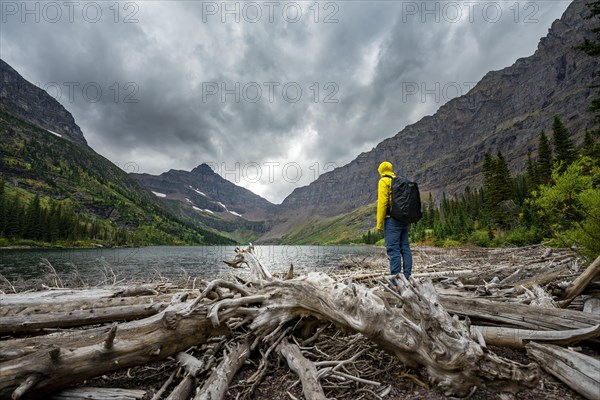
(544, 162)
(531, 172)
(563, 145)
(53, 223)
(502, 190)
(33, 220)
(592, 48)
(590, 146)
(2, 207)
(14, 218)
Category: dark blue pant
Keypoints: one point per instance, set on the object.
(398, 249)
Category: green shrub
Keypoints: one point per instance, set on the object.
(451, 243)
(522, 236)
(480, 238)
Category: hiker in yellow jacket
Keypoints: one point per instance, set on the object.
(394, 232)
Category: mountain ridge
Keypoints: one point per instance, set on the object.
(43, 154)
(35, 105)
(505, 111)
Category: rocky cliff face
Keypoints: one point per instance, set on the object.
(505, 112)
(205, 191)
(32, 104)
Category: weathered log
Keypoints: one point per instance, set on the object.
(74, 295)
(191, 364)
(580, 372)
(184, 389)
(518, 338)
(217, 384)
(540, 279)
(30, 323)
(74, 338)
(45, 307)
(93, 393)
(590, 274)
(144, 341)
(305, 369)
(518, 315)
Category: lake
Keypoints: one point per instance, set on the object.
(170, 261)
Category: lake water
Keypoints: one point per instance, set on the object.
(199, 261)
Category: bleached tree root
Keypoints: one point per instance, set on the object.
(412, 325)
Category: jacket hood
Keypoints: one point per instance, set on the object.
(385, 168)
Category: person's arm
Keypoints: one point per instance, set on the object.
(383, 199)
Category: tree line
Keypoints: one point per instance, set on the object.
(51, 221)
(557, 194)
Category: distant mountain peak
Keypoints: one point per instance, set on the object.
(203, 169)
(34, 105)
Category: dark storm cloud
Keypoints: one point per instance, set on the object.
(162, 67)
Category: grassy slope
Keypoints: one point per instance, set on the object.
(36, 161)
(344, 229)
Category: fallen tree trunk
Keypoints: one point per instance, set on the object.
(306, 371)
(215, 387)
(578, 371)
(518, 315)
(47, 370)
(72, 295)
(518, 338)
(590, 274)
(93, 393)
(30, 323)
(45, 307)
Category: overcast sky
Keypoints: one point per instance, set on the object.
(268, 93)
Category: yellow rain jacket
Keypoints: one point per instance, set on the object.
(384, 192)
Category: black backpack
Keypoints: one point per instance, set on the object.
(405, 204)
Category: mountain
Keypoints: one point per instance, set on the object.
(505, 111)
(204, 196)
(43, 153)
(204, 189)
(34, 105)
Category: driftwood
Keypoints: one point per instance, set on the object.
(70, 295)
(218, 382)
(210, 334)
(305, 369)
(518, 315)
(518, 338)
(29, 323)
(580, 372)
(43, 306)
(590, 274)
(155, 338)
(93, 393)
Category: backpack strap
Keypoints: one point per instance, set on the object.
(387, 212)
